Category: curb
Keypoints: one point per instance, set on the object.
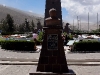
(36, 60)
(36, 63)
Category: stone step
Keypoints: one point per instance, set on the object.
(46, 73)
(36, 60)
(35, 63)
(19, 59)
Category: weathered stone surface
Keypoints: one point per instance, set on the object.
(52, 60)
(52, 56)
(71, 72)
(53, 4)
(50, 74)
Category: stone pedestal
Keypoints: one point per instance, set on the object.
(51, 73)
(41, 73)
(52, 57)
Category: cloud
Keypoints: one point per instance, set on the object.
(4, 5)
(81, 8)
(31, 11)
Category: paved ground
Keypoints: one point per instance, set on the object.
(10, 54)
(25, 69)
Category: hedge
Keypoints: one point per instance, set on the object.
(10, 33)
(87, 33)
(18, 45)
(87, 46)
(1, 42)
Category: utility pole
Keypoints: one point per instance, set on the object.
(97, 20)
(73, 25)
(78, 22)
(88, 21)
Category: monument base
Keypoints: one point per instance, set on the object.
(71, 72)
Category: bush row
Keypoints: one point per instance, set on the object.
(87, 46)
(18, 45)
(1, 42)
(87, 33)
(10, 33)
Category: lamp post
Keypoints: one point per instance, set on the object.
(97, 20)
(77, 23)
(73, 25)
(88, 22)
(80, 24)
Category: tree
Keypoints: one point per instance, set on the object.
(95, 31)
(27, 26)
(66, 28)
(16, 27)
(32, 26)
(4, 26)
(1, 23)
(10, 22)
(39, 25)
(40, 36)
(22, 27)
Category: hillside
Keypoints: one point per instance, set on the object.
(19, 15)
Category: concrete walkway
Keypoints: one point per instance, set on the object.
(17, 69)
(26, 55)
(25, 69)
(36, 63)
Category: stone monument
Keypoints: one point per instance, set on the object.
(56, 4)
(52, 59)
(66, 28)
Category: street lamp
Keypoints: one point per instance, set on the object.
(78, 24)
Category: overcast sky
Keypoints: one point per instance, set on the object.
(81, 8)
(70, 8)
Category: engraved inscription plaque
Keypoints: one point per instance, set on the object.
(52, 42)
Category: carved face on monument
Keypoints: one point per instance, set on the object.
(53, 19)
(53, 13)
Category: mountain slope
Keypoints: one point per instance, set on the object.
(19, 15)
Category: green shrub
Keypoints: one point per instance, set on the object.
(87, 46)
(10, 33)
(1, 41)
(18, 45)
(40, 36)
(39, 42)
(70, 37)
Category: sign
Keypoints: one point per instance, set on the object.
(52, 42)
